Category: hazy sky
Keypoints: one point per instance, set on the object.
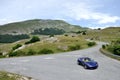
(87, 13)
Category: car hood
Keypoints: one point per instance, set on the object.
(91, 64)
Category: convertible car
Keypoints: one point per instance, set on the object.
(87, 63)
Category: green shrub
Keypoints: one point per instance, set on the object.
(66, 35)
(110, 48)
(1, 56)
(45, 51)
(84, 33)
(31, 52)
(78, 32)
(91, 44)
(16, 53)
(76, 47)
(114, 47)
(1, 53)
(103, 46)
(91, 38)
(51, 35)
(34, 39)
(28, 42)
(16, 46)
(116, 50)
(12, 54)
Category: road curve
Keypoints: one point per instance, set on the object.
(64, 66)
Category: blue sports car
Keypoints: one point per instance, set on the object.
(87, 63)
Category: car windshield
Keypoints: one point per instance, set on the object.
(87, 59)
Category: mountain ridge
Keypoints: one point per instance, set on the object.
(27, 26)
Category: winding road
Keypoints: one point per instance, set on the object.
(63, 66)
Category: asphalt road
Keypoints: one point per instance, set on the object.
(64, 66)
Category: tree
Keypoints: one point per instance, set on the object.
(8, 38)
(99, 28)
(51, 35)
(34, 39)
(78, 32)
(84, 33)
(48, 31)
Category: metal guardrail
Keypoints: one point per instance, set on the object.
(109, 54)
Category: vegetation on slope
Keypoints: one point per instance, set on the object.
(114, 47)
(7, 38)
(48, 31)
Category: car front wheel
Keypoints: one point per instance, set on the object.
(85, 66)
(78, 63)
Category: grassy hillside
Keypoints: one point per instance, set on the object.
(26, 27)
(5, 47)
(107, 34)
(58, 43)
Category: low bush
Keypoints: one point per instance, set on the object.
(16, 53)
(91, 44)
(45, 51)
(28, 42)
(110, 48)
(51, 35)
(76, 47)
(103, 46)
(66, 35)
(1, 56)
(31, 52)
(114, 47)
(16, 46)
(12, 54)
(116, 50)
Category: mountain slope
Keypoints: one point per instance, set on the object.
(26, 27)
(108, 34)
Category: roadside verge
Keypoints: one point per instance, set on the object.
(109, 54)
(12, 76)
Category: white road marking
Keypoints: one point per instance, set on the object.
(49, 58)
(74, 55)
(13, 63)
(24, 68)
(24, 60)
